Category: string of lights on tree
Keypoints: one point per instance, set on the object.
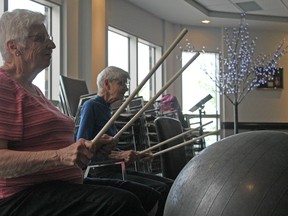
(240, 69)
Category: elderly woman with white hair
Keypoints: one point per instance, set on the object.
(40, 163)
(96, 112)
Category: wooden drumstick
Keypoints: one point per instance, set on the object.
(183, 144)
(132, 95)
(173, 138)
(147, 105)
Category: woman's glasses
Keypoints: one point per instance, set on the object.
(123, 83)
(41, 37)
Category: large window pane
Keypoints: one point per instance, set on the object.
(196, 85)
(118, 49)
(143, 69)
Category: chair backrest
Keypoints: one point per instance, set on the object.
(70, 92)
(82, 100)
(135, 105)
(115, 106)
(172, 162)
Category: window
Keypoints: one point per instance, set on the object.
(196, 85)
(47, 80)
(146, 60)
(143, 69)
(118, 49)
(136, 56)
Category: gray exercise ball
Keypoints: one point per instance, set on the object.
(242, 175)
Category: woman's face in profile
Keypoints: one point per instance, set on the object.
(38, 50)
(117, 90)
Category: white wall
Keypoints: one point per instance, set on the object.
(135, 21)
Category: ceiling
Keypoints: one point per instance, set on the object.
(260, 14)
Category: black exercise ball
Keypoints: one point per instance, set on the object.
(242, 175)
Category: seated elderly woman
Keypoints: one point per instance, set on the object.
(96, 112)
(40, 164)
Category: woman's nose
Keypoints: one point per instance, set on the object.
(51, 45)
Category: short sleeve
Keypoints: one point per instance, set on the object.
(11, 117)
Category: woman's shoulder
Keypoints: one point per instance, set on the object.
(95, 101)
(4, 75)
(6, 81)
(90, 104)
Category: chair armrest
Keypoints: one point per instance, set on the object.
(111, 162)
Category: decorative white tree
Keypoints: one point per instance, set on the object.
(241, 71)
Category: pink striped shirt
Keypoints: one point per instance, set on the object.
(33, 123)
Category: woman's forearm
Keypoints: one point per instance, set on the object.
(20, 163)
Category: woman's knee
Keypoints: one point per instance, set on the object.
(129, 204)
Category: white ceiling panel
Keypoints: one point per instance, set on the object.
(274, 15)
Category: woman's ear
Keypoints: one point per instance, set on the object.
(106, 84)
(11, 46)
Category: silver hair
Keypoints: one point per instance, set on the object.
(111, 73)
(15, 25)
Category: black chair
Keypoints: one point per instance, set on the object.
(69, 94)
(73, 93)
(173, 161)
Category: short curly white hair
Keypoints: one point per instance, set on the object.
(15, 25)
(111, 73)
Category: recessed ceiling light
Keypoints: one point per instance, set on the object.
(206, 21)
